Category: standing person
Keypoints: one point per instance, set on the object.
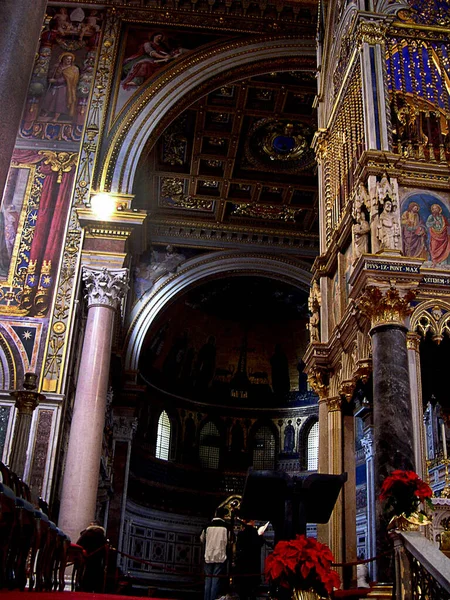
(215, 537)
(248, 561)
(93, 540)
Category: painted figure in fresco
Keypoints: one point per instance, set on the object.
(437, 226)
(148, 59)
(61, 98)
(388, 231)
(60, 21)
(414, 232)
(281, 383)
(206, 364)
(90, 26)
(289, 437)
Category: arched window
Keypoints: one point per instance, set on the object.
(209, 451)
(312, 448)
(163, 437)
(264, 449)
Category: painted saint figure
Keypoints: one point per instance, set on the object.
(437, 226)
(414, 232)
(60, 98)
(148, 59)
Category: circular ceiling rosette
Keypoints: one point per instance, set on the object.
(280, 145)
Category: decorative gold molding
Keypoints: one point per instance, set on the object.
(60, 162)
(390, 308)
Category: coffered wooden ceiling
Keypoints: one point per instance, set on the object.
(238, 165)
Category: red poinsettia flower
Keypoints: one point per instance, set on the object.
(303, 563)
(403, 491)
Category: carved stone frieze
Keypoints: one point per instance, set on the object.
(105, 287)
(388, 308)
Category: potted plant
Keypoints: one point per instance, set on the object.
(403, 491)
(302, 567)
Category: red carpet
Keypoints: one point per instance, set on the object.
(17, 595)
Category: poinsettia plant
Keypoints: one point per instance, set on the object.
(302, 564)
(403, 491)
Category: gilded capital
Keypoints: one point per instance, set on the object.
(347, 388)
(105, 287)
(413, 341)
(318, 380)
(27, 401)
(334, 404)
(389, 308)
(372, 32)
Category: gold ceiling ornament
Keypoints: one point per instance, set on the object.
(389, 308)
(60, 162)
(318, 379)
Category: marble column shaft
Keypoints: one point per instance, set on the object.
(413, 341)
(80, 484)
(20, 24)
(79, 493)
(393, 429)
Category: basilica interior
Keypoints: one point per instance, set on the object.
(225, 249)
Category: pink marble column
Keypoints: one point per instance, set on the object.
(104, 289)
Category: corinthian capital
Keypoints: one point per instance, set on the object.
(105, 287)
(389, 308)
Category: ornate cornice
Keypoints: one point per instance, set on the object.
(105, 287)
(388, 308)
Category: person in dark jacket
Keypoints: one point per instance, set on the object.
(93, 540)
(248, 561)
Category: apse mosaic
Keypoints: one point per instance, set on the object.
(425, 223)
(61, 81)
(231, 340)
(147, 52)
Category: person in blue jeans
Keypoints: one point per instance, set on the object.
(215, 537)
